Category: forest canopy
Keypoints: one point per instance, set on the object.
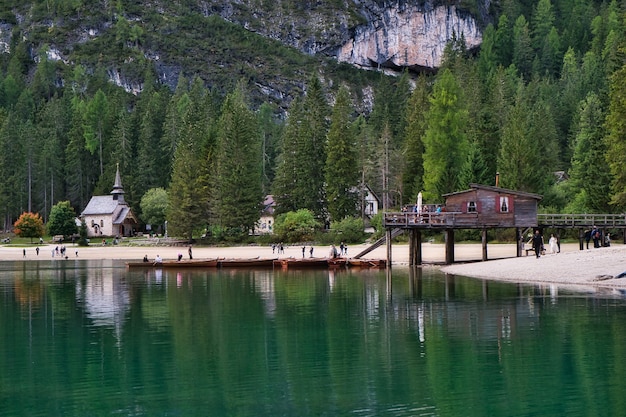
(541, 103)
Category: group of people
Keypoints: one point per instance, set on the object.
(538, 245)
(278, 247)
(596, 235)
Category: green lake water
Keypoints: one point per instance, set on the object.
(91, 338)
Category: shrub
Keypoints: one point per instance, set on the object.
(296, 226)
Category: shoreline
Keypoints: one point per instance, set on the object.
(589, 267)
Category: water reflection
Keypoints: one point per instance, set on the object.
(412, 342)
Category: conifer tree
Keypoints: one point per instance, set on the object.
(615, 143)
(299, 180)
(239, 192)
(588, 175)
(316, 114)
(270, 135)
(188, 203)
(95, 127)
(417, 110)
(445, 141)
(528, 152)
(522, 48)
(176, 110)
(342, 175)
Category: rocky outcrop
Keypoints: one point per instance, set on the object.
(411, 37)
(394, 34)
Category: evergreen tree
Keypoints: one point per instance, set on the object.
(313, 153)
(504, 41)
(81, 169)
(177, 108)
(270, 136)
(616, 132)
(188, 205)
(95, 126)
(52, 131)
(528, 153)
(588, 176)
(522, 47)
(542, 23)
(342, 174)
(239, 158)
(475, 169)
(299, 180)
(417, 110)
(445, 141)
(152, 170)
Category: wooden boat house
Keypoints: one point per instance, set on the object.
(484, 206)
(479, 207)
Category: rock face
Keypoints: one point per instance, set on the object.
(410, 37)
(394, 34)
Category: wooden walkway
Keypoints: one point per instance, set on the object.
(448, 222)
(456, 220)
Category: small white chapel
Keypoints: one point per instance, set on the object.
(110, 215)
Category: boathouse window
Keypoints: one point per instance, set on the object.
(504, 204)
(471, 207)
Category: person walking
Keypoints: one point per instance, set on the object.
(537, 243)
(553, 244)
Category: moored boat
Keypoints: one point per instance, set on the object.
(301, 263)
(246, 263)
(183, 263)
(367, 263)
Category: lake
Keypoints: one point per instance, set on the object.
(91, 338)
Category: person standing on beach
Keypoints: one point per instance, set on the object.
(190, 256)
(553, 244)
(537, 243)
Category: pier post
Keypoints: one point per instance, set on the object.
(449, 246)
(484, 242)
(581, 239)
(415, 247)
(388, 239)
(520, 241)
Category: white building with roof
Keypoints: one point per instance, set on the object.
(110, 215)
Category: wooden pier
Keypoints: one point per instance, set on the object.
(485, 207)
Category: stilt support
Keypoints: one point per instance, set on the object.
(449, 246)
(415, 247)
(388, 239)
(484, 242)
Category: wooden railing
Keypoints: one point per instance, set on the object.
(411, 219)
(470, 220)
(582, 220)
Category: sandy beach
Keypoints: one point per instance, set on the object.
(572, 266)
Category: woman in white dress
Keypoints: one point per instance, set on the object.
(553, 244)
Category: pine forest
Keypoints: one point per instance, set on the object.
(542, 103)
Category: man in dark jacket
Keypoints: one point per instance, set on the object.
(537, 243)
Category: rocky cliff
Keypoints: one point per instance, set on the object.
(408, 38)
(369, 34)
(188, 38)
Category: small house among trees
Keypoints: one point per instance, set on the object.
(110, 215)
